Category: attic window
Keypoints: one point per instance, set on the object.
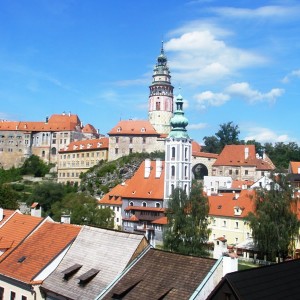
(87, 276)
(21, 259)
(71, 271)
(143, 129)
(219, 206)
(119, 129)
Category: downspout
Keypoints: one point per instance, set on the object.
(207, 277)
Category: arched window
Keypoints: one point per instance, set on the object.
(53, 151)
(185, 171)
(173, 171)
(144, 204)
(185, 153)
(173, 152)
(185, 188)
(157, 204)
(130, 203)
(172, 188)
(43, 153)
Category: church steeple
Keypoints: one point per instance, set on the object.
(161, 95)
(178, 154)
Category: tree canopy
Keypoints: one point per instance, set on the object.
(274, 224)
(34, 166)
(8, 197)
(187, 231)
(83, 209)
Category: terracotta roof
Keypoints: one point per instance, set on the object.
(138, 187)
(294, 167)
(88, 128)
(162, 275)
(38, 250)
(86, 145)
(237, 184)
(55, 123)
(161, 221)
(133, 127)
(196, 151)
(16, 229)
(225, 204)
(7, 213)
(235, 155)
(145, 208)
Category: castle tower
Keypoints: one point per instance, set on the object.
(178, 153)
(161, 96)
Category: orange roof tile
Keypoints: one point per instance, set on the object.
(86, 145)
(234, 155)
(145, 208)
(38, 251)
(224, 205)
(88, 128)
(133, 127)
(237, 184)
(161, 221)
(16, 229)
(7, 213)
(294, 167)
(196, 151)
(138, 187)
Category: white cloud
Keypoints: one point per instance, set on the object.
(199, 57)
(271, 11)
(244, 91)
(264, 135)
(209, 98)
(197, 126)
(295, 73)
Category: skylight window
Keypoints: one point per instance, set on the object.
(21, 259)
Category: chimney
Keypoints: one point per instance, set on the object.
(65, 219)
(246, 152)
(36, 210)
(147, 167)
(158, 168)
(1, 214)
(47, 119)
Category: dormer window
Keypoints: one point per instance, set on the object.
(119, 129)
(143, 129)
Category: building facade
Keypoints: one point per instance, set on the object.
(80, 156)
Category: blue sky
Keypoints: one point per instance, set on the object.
(234, 61)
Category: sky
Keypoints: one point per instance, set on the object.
(232, 61)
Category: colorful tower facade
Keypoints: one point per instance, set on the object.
(178, 154)
(161, 96)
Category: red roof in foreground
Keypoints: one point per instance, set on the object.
(294, 167)
(38, 250)
(15, 230)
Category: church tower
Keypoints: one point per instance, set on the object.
(161, 95)
(178, 153)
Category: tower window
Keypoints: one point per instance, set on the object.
(157, 105)
(173, 152)
(173, 171)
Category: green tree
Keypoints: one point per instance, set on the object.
(187, 231)
(35, 166)
(8, 197)
(274, 224)
(83, 209)
(46, 194)
(228, 134)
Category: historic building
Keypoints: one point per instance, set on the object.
(19, 140)
(161, 96)
(178, 166)
(80, 156)
(242, 163)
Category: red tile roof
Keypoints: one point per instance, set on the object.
(138, 187)
(38, 250)
(86, 145)
(16, 229)
(237, 184)
(234, 155)
(145, 208)
(196, 151)
(224, 205)
(294, 167)
(161, 221)
(55, 123)
(133, 127)
(7, 213)
(88, 128)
